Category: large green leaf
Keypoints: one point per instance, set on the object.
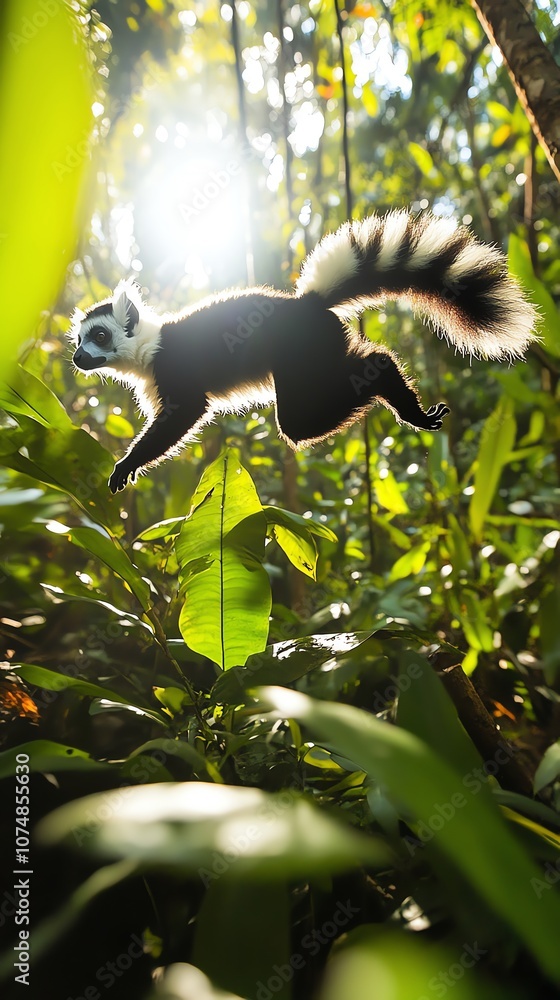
(497, 440)
(422, 699)
(242, 933)
(126, 618)
(111, 552)
(45, 121)
(69, 460)
(50, 680)
(220, 551)
(404, 968)
(24, 393)
(426, 788)
(284, 662)
(210, 829)
(47, 756)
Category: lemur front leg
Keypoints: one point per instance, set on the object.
(379, 374)
(173, 422)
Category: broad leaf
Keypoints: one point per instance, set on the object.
(445, 805)
(47, 756)
(220, 551)
(210, 829)
(497, 440)
(49, 153)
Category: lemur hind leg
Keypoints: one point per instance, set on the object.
(312, 404)
(311, 387)
(378, 375)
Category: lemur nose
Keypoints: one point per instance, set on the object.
(86, 362)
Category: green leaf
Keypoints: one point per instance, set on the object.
(173, 699)
(548, 769)
(162, 529)
(277, 515)
(183, 751)
(549, 617)
(220, 551)
(128, 619)
(111, 552)
(403, 967)
(68, 460)
(47, 756)
(474, 621)
(180, 981)
(423, 698)
(497, 440)
(421, 157)
(297, 544)
(119, 426)
(284, 662)
(25, 394)
(370, 100)
(389, 495)
(50, 680)
(427, 788)
(252, 923)
(519, 260)
(42, 177)
(294, 536)
(411, 563)
(209, 829)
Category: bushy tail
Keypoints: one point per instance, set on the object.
(460, 285)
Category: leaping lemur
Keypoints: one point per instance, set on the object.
(297, 349)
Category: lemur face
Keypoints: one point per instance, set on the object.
(103, 333)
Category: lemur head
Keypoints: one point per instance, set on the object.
(119, 334)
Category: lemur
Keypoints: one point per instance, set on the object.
(298, 349)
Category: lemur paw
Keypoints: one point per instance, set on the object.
(120, 476)
(435, 416)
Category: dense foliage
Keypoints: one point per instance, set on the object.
(237, 716)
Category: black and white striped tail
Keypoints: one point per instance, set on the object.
(460, 285)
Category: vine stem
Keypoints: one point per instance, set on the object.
(161, 640)
(349, 210)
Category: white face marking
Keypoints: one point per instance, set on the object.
(119, 340)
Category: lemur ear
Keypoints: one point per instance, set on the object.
(125, 310)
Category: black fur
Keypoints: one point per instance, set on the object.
(297, 349)
(322, 377)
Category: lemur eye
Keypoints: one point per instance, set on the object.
(100, 337)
